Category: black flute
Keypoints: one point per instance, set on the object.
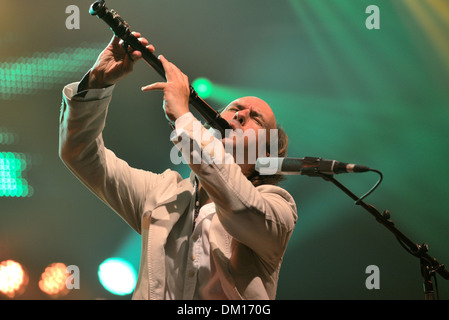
(122, 30)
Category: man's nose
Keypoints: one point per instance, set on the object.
(240, 117)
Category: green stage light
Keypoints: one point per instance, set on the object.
(203, 87)
(44, 70)
(117, 276)
(12, 182)
(7, 137)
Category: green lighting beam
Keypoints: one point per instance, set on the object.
(44, 70)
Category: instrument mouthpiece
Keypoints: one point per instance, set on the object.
(97, 8)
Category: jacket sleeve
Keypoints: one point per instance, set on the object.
(262, 218)
(126, 190)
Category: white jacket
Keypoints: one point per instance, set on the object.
(248, 234)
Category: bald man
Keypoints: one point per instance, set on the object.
(219, 234)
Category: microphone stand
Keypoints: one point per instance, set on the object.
(121, 29)
(429, 265)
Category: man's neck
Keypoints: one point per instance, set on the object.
(203, 196)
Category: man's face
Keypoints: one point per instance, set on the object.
(248, 115)
(252, 113)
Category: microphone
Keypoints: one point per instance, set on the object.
(310, 166)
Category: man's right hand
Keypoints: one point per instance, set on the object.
(114, 63)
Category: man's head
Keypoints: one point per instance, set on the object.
(254, 119)
(249, 113)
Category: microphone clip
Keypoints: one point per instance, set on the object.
(317, 167)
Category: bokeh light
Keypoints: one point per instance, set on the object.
(13, 278)
(43, 70)
(53, 280)
(7, 137)
(12, 181)
(203, 87)
(117, 276)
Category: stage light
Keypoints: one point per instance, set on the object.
(7, 137)
(13, 278)
(203, 87)
(44, 70)
(53, 280)
(117, 276)
(12, 167)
